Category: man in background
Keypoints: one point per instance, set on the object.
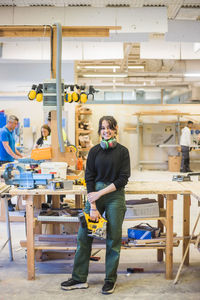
(185, 143)
(8, 151)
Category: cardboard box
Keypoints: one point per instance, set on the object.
(174, 163)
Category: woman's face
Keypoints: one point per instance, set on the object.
(106, 132)
(45, 132)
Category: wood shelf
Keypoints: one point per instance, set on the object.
(84, 149)
(79, 133)
(146, 219)
(68, 246)
(130, 128)
(84, 131)
(85, 113)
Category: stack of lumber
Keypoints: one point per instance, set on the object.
(3, 187)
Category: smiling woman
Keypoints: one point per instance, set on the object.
(107, 173)
(108, 131)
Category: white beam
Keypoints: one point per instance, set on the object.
(144, 19)
(157, 49)
(40, 50)
(183, 31)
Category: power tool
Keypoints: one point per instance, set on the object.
(95, 229)
(80, 181)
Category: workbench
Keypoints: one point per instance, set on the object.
(32, 197)
(166, 191)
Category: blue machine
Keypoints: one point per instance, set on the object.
(25, 179)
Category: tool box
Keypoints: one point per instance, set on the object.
(59, 169)
(143, 231)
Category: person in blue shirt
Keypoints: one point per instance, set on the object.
(8, 151)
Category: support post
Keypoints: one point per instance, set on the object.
(55, 205)
(30, 238)
(169, 236)
(186, 226)
(8, 228)
(160, 225)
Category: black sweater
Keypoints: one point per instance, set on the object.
(108, 166)
(40, 141)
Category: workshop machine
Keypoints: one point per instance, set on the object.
(185, 177)
(95, 229)
(25, 179)
(181, 178)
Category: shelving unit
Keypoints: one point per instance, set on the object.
(82, 115)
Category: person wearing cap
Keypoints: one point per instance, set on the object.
(8, 151)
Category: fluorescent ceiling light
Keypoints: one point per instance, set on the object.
(106, 75)
(101, 67)
(192, 74)
(135, 67)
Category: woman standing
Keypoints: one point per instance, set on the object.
(107, 173)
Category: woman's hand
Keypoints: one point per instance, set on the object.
(94, 214)
(94, 196)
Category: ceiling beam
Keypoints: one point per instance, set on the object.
(67, 31)
(174, 8)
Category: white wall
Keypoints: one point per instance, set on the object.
(34, 110)
(123, 114)
(25, 109)
(125, 118)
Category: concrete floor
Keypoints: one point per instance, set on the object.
(148, 285)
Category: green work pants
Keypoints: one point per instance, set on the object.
(113, 204)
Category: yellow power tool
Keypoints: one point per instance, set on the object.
(95, 229)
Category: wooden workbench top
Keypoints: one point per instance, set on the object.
(134, 187)
(42, 191)
(156, 187)
(194, 187)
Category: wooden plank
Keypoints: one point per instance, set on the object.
(169, 236)
(52, 255)
(162, 187)
(11, 218)
(162, 219)
(78, 201)
(154, 240)
(160, 113)
(64, 247)
(183, 259)
(44, 31)
(193, 187)
(57, 155)
(38, 200)
(186, 226)
(30, 238)
(130, 128)
(42, 191)
(55, 205)
(141, 187)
